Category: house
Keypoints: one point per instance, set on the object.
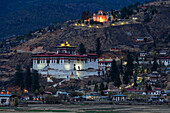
(115, 49)
(61, 93)
(143, 54)
(116, 91)
(154, 77)
(140, 39)
(119, 97)
(164, 60)
(166, 70)
(66, 63)
(163, 52)
(104, 64)
(7, 100)
(133, 91)
(92, 96)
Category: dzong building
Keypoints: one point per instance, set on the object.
(66, 63)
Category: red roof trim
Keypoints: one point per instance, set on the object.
(104, 61)
(164, 57)
(61, 55)
(91, 54)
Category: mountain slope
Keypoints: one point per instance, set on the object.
(21, 16)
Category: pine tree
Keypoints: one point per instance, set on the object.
(98, 46)
(96, 88)
(155, 64)
(82, 49)
(137, 60)
(129, 69)
(19, 78)
(28, 78)
(114, 74)
(121, 67)
(135, 78)
(88, 15)
(83, 17)
(124, 13)
(102, 88)
(35, 81)
(126, 79)
(106, 88)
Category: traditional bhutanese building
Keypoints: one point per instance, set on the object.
(66, 63)
(100, 17)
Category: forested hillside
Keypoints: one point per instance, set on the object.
(21, 16)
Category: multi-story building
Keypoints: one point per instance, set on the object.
(66, 63)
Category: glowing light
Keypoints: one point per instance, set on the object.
(67, 66)
(125, 63)
(75, 24)
(62, 44)
(8, 92)
(90, 26)
(2, 93)
(25, 90)
(97, 26)
(65, 44)
(139, 78)
(82, 24)
(113, 24)
(122, 23)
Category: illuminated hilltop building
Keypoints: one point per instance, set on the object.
(66, 63)
(101, 17)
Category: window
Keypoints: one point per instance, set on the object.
(48, 61)
(58, 61)
(38, 61)
(74, 66)
(3, 101)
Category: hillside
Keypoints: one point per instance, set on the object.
(157, 28)
(18, 17)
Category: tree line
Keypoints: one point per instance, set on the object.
(27, 79)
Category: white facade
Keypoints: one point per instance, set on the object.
(4, 100)
(164, 60)
(66, 63)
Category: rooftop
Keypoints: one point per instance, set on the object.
(65, 45)
(63, 55)
(5, 95)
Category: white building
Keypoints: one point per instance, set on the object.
(65, 63)
(5, 99)
(164, 60)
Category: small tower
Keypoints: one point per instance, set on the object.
(100, 12)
